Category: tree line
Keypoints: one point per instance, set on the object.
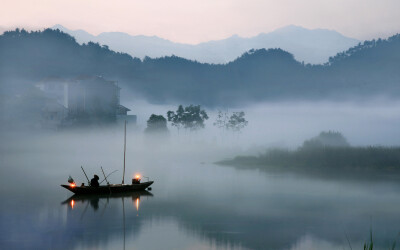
(192, 118)
(365, 70)
(326, 154)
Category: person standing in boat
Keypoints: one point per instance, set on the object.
(94, 182)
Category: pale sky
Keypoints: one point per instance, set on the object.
(194, 21)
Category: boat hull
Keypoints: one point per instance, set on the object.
(109, 189)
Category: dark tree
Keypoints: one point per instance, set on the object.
(191, 117)
(176, 118)
(156, 124)
(194, 117)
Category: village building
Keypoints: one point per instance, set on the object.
(84, 100)
(52, 114)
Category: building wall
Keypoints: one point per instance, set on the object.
(90, 99)
(93, 99)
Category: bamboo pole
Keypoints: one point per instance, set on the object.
(105, 177)
(86, 176)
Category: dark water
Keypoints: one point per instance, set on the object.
(194, 204)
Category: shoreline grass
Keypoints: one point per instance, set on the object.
(356, 160)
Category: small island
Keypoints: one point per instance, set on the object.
(328, 154)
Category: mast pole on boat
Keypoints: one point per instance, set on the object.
(86, 176)
(123, 176)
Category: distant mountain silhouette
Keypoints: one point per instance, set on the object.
(311, 46)
(364, 71)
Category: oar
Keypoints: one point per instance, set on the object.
(105, 178)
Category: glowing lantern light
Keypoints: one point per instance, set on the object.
(137, 176)
(73, 184)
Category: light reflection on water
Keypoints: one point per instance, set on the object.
(137, 204)
(191, 206)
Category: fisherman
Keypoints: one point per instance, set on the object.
(94, 182)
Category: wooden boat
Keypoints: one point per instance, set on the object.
(88, 197)
(108, 189)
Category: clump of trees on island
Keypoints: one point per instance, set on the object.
(327, 153)
(192, 118)
(327, 139)
(156, 124)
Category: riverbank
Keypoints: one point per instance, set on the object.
(360, 161)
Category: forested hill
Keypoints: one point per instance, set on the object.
(363, 71)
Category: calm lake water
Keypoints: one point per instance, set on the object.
(194, 204)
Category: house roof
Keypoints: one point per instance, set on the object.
(123, 108)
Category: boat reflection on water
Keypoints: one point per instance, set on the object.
(93, 200)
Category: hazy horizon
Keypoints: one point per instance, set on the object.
(61, 27)
(224, 124)
(56, 25)
(206, 20)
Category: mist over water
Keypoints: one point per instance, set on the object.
(314, 164)
(288, 124)
(195, 204)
